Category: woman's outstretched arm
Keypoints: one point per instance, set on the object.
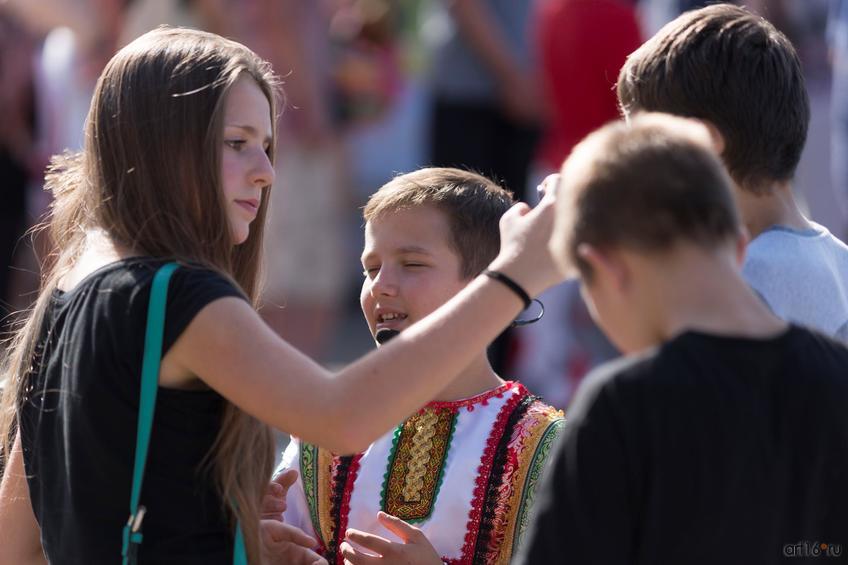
(229, 347)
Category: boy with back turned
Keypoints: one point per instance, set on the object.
(722, 435)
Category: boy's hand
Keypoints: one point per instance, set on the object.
(525, 254)
(274, 501)
(285, 544)
(416, 549)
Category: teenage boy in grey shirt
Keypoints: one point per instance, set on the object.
(736, 72)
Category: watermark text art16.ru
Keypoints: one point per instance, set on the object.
(812, 549)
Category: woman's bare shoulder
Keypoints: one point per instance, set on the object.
(99, 251)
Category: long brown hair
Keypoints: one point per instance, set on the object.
(149, 176)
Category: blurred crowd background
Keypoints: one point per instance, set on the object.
(379, 87)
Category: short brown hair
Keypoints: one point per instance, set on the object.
(646, 185)
(472, 203)
(733, 68)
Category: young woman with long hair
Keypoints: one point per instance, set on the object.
(177, 167)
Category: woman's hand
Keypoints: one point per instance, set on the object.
(525, 254)
(274, 501)
(287, 545)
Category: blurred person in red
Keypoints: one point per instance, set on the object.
(581, 46)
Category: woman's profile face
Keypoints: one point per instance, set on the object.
(245, 162)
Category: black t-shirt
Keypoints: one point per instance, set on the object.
(709, 450)
(79, 417)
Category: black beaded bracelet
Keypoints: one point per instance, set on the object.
(510, 284)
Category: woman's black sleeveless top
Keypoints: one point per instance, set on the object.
(78, 421)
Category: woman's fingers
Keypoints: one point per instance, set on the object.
(280, 532)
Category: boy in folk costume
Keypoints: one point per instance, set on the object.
(455, 481)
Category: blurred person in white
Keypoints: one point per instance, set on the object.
(73, 40)
(69, 43)
(304, 263)
(79, 37)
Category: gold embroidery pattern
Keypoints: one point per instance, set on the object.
(325, 490)
(419, 451)
(415, 470)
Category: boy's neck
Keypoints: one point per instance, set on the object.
(700, 291)
(776, 207)
(477, 378)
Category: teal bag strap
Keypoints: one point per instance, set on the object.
(147, 404)
(239, 553)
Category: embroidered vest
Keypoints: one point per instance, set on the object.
(508, 471)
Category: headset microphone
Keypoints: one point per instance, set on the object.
(384, 335)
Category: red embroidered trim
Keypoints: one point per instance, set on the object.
(483, 471)
(344, 511)
(482, 398)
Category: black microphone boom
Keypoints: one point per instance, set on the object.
(385, 335)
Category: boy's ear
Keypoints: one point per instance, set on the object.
(606, 266)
